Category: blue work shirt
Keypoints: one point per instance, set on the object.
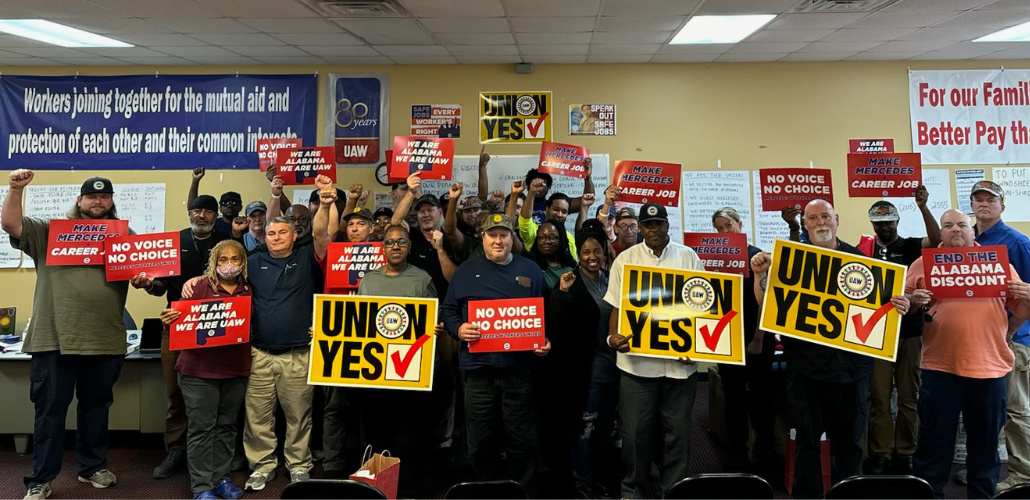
(1018, 246)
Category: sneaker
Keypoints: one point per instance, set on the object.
(227, 490)
(205, 495)
(1009, 482)
(257, 480)
(38, 492)
(102, 478)
(299, 475)
(960, 478)
(174, 463)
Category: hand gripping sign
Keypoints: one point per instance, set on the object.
(210, 323)
(563, 159)
(376, 342)
(833, 298)
(676, 313)
(508, 324)
(959, 273)
(301, 165)
(794, 187)
(80, 242)
(148, 255)
(876, 175)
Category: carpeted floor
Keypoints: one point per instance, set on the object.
(133, 457)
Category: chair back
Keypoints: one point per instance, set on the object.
(881, 487)
(1018, 491)
(720, 486)
(332, 489)
(486, 490)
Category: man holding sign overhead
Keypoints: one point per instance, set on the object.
(649, 385)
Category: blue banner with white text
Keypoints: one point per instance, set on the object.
(151, 121)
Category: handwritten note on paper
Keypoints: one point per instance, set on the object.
(768, 225)
(704, 192)
(937, 185)
(9, 256)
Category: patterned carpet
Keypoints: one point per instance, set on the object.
(133, 457)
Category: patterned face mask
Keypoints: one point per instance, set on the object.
(229, 271)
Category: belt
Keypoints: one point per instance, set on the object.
(280, 350)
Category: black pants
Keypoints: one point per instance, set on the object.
(748, 390)
(393, 420)
(212, 408)
(502, 416)
(55, 378)
(842, 412)
(337, 423)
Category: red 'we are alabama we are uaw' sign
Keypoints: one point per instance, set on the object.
(299, 166)
(210, 323)
(508, 324)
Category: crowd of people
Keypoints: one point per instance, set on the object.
(549, 418)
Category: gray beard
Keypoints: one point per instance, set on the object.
(203, 230)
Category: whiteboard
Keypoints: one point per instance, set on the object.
(9, 256)
(704, 192)
(142, 204)
(1016, 183)
(939, 201)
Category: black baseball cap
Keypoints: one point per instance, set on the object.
(95, 185)
(428, 198)
(205, 202)
(653, 211)
(231, 196)
(383, 211)
(362, 212)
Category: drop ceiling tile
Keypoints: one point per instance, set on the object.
(924, 5)
(625, 49)
(289, 60)
(90, 61)
(454, 8)
(259, 8)
(169, 40)
(557, 59)
(814, 21)
(121, 52)
(257, 51)
(476, 38)
(648, 8)
(1007, 5)
(387, 31)
(1022, 52)
(424, 60)
(552, 24)
(953, 34)
(988, 19)
(940, 56)
(489, 59)
(214, 25)
(412, 50)
(885, 56)
(27, 61)
(739, 58)
(867, 35)
(483, 50)
(325, 51)
(699, 48)
(684, 58)
(145, 8)
(553, 38)
(618, 58)
(918, 47)
(157, 61)
(839, 47)
(239, 39)
(737, 7)
(980, 48)
(223, 60)
(612, 37)
(318, 39)
(53, 9)
(48, 52)
(789, 35)
(291, 25)
(191, 52)
(113, 27)
(640, 23)
(553, 50)
(766, 48)
(529, 8)
(919, 19)
(357, 60)
(817, 56)
(466, 25)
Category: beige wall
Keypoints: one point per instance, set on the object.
(746, 115)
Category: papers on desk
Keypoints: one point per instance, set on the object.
(14, 348)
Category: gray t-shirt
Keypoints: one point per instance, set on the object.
(411, 282)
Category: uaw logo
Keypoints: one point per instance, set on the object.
(525, 105)
(855, 280)
(392, 321)
(98, 185)
(652, 210)
(698, 293)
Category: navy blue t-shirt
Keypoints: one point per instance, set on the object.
(283, 291)
(481, 279)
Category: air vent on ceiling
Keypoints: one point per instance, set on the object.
(357, 8)
(842, 5)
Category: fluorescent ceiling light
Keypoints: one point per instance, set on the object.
(1020, 33)
(57, 34)
(720, 29)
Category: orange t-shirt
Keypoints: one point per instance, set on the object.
(966, 337)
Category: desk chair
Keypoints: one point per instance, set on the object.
(1018, 491)
(720, 486)
(486, 490)
(331, 489)
(881, 487)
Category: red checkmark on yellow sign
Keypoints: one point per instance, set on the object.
(863, 330)
(711, 340)
(401, 364)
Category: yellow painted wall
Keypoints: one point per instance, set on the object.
(747, 115)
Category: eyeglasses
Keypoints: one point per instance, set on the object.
(399, 242)
(230, 203)
(549, 239)
(197, 212)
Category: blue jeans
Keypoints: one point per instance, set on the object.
(598, 416)
(982, 404)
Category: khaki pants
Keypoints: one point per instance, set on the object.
(1017, 428)
(883, 431)
(281, 378)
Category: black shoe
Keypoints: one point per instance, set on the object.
(334, 474)
(902, 465)
(239, 463)
(876, 466)
(173, 464)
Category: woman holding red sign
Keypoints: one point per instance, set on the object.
(214, 381)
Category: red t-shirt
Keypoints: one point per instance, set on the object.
(226, 361)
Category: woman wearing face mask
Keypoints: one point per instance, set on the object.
(551, 251)
(580, 378)
(214, 381)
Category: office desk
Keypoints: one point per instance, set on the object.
(139, 397)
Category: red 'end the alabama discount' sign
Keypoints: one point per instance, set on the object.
(563, 159)
(80, 242)
(870, 146)
(648, 181)
(794, 187)
(267, 149)
(347, 263)
(210, 323)
(889, 174)
(508, 324)
(147, 255)
(433, 157)
(302, 165)
(720, 252)
(969, 272)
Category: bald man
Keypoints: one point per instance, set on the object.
(827, 388)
